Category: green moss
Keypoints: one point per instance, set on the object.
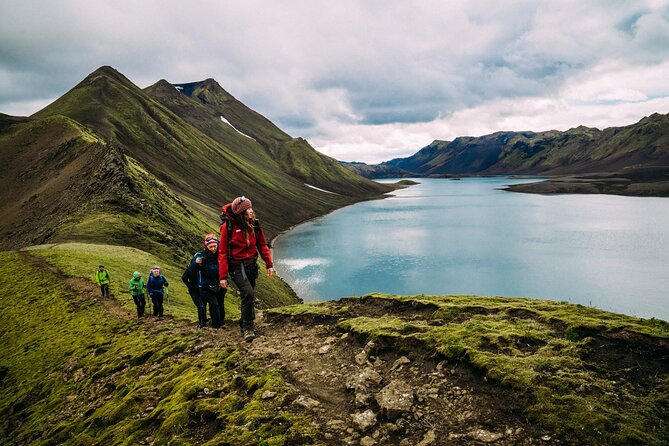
(76, 375)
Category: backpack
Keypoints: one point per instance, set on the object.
(225, 220)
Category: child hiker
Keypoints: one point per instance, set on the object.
(102, 278)
(205, 266)
(137, 290)
(154, 286)
(242, 240)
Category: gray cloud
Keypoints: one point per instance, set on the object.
(318, 68)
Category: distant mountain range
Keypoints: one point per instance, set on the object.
(113, 163)
(578, 151)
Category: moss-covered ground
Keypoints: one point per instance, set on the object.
(70, 373)
(595, 377)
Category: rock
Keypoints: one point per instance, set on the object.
(336, 425)
(369, 347)
(429, 439)
(267, 394)
(306, 402)
(345, 336)
(395, 399)
(367, 377)
(485, 436)
(367, 441)
(362, 396)
(324, 349)
(546, 438)
(364, 421)
(400, 362)
(361, 358)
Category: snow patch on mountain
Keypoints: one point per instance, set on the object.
(235, 129)
(322, 190)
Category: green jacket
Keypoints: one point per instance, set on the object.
(136, 285)
(102, 277)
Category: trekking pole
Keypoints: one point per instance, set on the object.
(167, 295)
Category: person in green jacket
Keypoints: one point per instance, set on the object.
(137, 290)
(102, 278)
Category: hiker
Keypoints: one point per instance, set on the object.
(102, 278)
(190, 279)
(154, 286)
(241, 241)
(204, 266)
(137, 290)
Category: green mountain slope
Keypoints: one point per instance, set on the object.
(257, 138)
(189, 161)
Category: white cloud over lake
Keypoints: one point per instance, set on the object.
(365, 81)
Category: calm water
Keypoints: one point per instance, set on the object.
(467, 237)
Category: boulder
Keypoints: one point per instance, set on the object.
(363, 421)
(395, 399)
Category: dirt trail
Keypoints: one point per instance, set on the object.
(361, 393)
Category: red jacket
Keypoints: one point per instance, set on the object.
(239, 250)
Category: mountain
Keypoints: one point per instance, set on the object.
(109, 162)
(579, 150)
(375, 170)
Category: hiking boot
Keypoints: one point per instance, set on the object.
(249, 335)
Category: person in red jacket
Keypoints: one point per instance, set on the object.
(242, 240)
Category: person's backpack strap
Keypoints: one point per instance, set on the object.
(228, 225)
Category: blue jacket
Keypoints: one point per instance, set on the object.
(207, 271)
(155, 284)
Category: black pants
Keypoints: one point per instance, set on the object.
(104, 288)
(200, 305)
(157, 300)
(215, 298)
(140, 302)
(245, 280)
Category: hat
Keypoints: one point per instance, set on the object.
(240, 204)
(136, 275)
(211, 238)
(155, 268)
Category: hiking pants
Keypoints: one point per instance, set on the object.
(157, 300)
(215, 297)
(104, 288)
(200, 305)
(140, 302)
(245, 280)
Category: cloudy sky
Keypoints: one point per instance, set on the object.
(362, 80)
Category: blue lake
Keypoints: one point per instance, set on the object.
(468, 237)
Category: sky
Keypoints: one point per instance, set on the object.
(362, 80)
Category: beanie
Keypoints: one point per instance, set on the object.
(240, 204)
(211, 238)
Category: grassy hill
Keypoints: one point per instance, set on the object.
(75, 369)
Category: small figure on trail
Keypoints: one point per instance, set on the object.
(204, 266)
(190, 279)
(154, 286)
(137, 290)
(241, 241)
(102, 278)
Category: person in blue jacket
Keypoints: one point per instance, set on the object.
(205, 266)
(155, 287)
